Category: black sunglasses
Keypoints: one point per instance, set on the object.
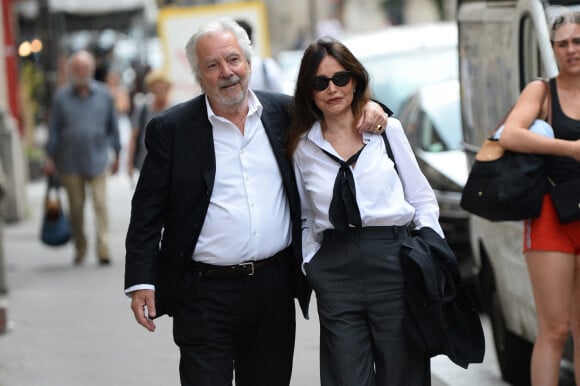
(340, 79)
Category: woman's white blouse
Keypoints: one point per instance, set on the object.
(384, 197)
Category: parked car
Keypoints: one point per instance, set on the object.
(432, 120)
(399, 59)
(402, 59)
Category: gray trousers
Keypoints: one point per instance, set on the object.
(358, 281)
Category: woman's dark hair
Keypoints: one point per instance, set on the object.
(304, 112)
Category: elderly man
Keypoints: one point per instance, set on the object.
(83, 125)
(214, 236)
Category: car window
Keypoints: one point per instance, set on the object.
(441, 124)
(395, 76)
(409, 117)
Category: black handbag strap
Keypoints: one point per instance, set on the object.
(389, 150)
(392, 157)
(53, 185)
(53, 181)
(549, 97)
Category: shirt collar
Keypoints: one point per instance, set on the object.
(315, 135)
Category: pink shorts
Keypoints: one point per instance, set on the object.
(546, 233)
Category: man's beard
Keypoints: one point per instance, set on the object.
(231, 100)
(80, 81)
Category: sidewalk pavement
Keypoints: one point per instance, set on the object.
(72, 326)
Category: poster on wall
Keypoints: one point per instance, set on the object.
(176, 25)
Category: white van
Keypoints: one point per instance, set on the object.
(503, 45)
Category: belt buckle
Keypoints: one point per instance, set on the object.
(248, 264)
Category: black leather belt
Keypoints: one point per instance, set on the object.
(248, 268)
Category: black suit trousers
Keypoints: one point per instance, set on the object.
(359, 289)
(240, 325)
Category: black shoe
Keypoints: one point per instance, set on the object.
(104, 261)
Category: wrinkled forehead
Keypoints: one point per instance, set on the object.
(218, 43)
(81, 64)
(565, 31)
(563, 23)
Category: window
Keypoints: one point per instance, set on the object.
(529, 56)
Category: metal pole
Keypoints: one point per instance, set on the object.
(313, 18)
(10, 62)
(3, 284)
(49, 55)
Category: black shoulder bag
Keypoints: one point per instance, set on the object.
(504, 185)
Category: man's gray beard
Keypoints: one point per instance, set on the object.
(232, 101)
(80, 82)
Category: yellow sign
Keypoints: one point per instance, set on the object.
(176, 25)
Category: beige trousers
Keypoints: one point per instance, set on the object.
(75, 185)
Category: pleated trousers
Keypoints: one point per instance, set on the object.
(359, 284)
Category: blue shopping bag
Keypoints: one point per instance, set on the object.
(55, 230)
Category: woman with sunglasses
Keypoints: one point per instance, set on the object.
(357, 208)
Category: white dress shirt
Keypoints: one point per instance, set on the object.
(248, 216)
(384, 197)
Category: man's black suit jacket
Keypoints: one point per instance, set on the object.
(174, 189)
(441, 316)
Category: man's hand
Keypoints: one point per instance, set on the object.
(49, 167)
(373, 119)
(115, 165)
(143, 306)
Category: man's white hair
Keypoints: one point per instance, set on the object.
(213, 27)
